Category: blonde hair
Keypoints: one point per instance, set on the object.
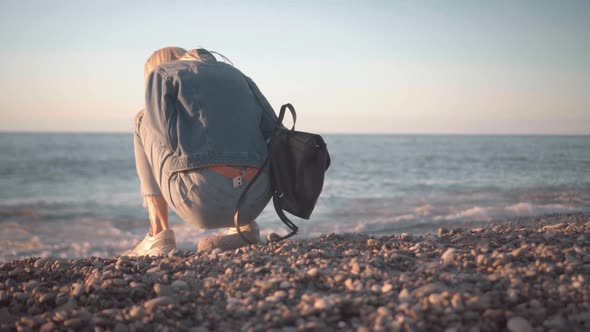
(161, 56)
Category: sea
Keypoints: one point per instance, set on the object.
(77, 195)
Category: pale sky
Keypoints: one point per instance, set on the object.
(475, 67)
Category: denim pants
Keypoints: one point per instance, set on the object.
(200, 197)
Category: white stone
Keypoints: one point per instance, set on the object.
(386, 288)
(448, 256)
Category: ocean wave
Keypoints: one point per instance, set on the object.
(521, 209)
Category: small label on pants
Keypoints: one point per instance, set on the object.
(237, 181)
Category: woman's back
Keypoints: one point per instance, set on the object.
(206, 113)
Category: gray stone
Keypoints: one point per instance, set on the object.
(29, 286)
(481, 302)
(179, 285)
(3, 296)
(163, 290)
(73, 323)
(5, 315)
(376, 289)
(70, 305)
(47, 297)
(519, 324)
(404, 295)
(428, 289)
(120, 327)
(40, 262)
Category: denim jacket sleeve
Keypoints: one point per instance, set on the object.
(269, 119)
(161, 112)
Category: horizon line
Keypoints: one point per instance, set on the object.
(106, 132)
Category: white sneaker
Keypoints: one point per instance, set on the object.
(231, 239)
(159, 244)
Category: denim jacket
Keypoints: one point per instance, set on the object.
(206, 113)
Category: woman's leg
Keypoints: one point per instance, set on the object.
(160, 240)
(152, 195)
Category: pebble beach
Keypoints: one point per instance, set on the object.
(510, 276)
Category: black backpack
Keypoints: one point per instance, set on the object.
(297, 161)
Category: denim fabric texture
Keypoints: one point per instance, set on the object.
(201, 112)
(204, 113)
(199, 196)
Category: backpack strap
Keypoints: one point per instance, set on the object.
(293, 114)
(243, 196)
(276, 195)
(276, 202)
(294, 229)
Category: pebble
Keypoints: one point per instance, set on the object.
(386, 288)
(436, 299)
(163, 290)
(40, 262)
(479, 302)
(77, 290)
(47, 297)
(313, 272)
(321, 304)
(70, 305)
(517, 252)
(457, 302)
(492, 278)
(120, 327)
(29, 286)
(4, 295)
(428, 289)
(48, 327)
(158, 301)
(29, 321)
(280, 294)
(481, 259)
(137, 312)
(376, 289)
(404, 295)
(73, 323)
(448, 256)
(519, 324)
(179, 284)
